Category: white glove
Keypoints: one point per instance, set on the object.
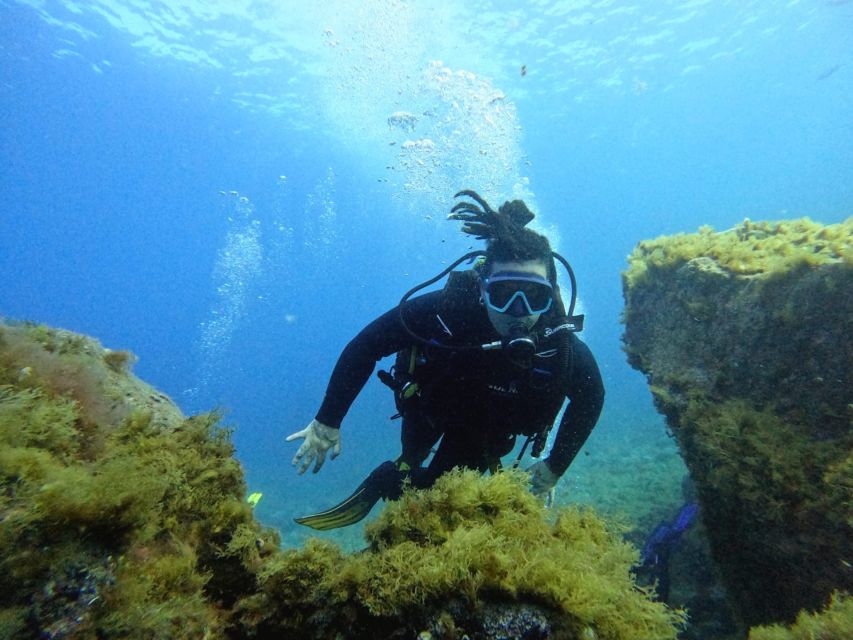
(542, 479)
(319, 438)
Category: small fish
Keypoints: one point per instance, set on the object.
(523, 70)
(828, 72)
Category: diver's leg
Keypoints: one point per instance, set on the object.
(473, 447)
(457, 449)
(418, 436)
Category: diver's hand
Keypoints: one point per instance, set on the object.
(319, 438)
(542, 479)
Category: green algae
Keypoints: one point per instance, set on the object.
(116, 521)
(78, 368)
(748, 249)
(780, 480)
(161, 507)
(835, 622)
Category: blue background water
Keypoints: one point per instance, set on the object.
(218, 187)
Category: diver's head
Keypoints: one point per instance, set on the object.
(518, 280)
(518, 277)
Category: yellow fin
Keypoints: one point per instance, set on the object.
(254, 498)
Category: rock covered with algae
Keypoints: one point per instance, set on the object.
(833, 623)
(119, 517)
(744, 336)
(471, 557)
(122, 518)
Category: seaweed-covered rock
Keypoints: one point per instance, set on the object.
(744, 336)
(833, 623)
(121, 518)
(473, 557)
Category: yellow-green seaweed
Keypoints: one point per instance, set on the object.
(835, 622)
(475, 539)
(118, 516)
(748, 249)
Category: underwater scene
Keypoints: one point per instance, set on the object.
(232, 242)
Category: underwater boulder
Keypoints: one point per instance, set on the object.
(119, 516)
(744, 337)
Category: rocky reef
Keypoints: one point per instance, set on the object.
(744, 336)
(122, 518)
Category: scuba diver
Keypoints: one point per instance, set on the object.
(491, 356)
(653, 568)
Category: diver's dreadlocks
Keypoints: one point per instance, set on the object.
(505, 232)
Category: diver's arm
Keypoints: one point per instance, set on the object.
(380, 338)
(586, 395)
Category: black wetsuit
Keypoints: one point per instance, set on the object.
(478, 400)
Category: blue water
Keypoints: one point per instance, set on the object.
(218, 187)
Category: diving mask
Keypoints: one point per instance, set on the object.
(517, 294)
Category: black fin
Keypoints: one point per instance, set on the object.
(383, 482)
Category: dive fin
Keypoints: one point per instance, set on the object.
(348, 512)
(383, 481)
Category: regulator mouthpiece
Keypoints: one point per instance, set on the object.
(520, 345)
